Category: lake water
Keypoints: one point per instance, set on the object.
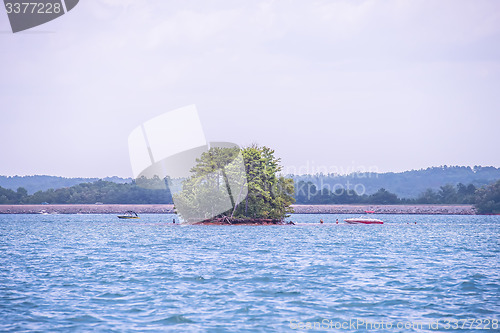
(98, 273)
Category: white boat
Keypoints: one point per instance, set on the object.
(363, 220)
(129, 215)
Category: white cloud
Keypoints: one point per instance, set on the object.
(410, 71)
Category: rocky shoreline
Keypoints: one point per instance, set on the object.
(233, 221)
(299, 209)
(387, 209)
(85, 209)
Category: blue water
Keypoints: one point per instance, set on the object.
(96, 273)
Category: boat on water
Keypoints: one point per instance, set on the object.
(129, 215)
(363, 220)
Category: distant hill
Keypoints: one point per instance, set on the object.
(42, 183)
(408, 184)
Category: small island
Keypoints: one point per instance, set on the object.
(248, 176)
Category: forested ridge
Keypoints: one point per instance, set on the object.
(482, 189)
(408, 184)
(37, 183)
(89, 193)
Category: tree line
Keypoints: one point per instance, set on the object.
(89, 193)
(308, 193)
(37, 183)
(407, 184)
(267, 194)
(486, 199)
(260, 199)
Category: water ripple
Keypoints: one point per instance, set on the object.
(93, 273)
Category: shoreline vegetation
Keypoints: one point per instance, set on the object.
(406, 185)
(247, 183)
(486, 198)
(298, 209)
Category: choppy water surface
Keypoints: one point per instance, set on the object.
(94, 272)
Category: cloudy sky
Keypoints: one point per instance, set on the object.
(392, 85)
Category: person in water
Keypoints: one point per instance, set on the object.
(174, 221)
(337, 221)
(321, 221)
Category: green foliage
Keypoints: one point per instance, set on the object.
(488, 199)
(89, 193)
(207, 189)
(43, 183)
(269, 195)
(383, 197)
(427, 197)
(8, 196)
(448, 194)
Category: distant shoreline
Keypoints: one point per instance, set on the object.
(387, 209)
(299, 209)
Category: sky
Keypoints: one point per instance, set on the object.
(331, 86)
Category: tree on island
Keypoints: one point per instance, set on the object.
(268, 195)
(488, 199)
